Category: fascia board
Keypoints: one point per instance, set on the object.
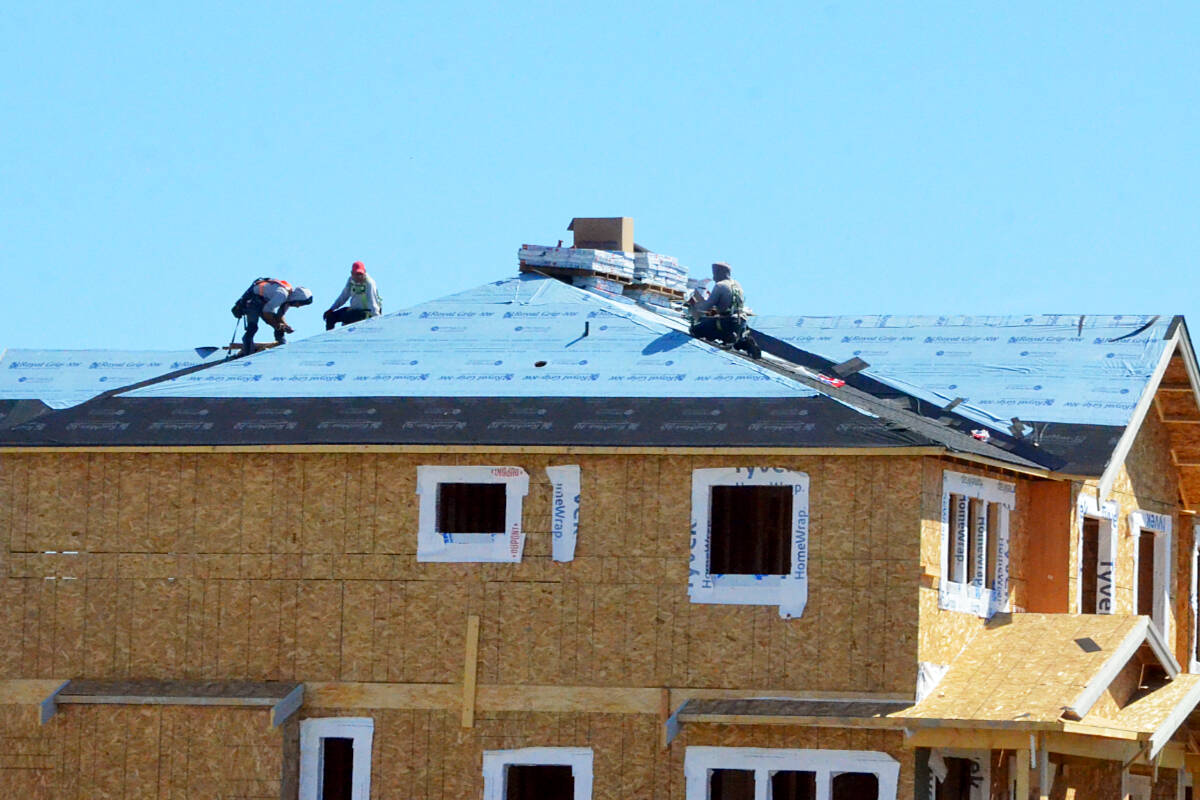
(1108, 672)
(1163, 733)
(1117, 459)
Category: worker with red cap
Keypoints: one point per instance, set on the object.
(363, 296)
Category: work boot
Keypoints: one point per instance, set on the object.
(749, 346)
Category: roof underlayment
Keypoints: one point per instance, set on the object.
(1081, 369)
(64, 378)
(532, 360)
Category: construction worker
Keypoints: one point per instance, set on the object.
(721, 316)
(363, 296)
(268, 298)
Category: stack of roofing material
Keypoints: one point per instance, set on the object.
(597, 283)
(654, 269)
(606, 262)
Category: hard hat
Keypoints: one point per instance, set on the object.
(299, 296)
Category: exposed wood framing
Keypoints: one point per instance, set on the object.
(470, 668)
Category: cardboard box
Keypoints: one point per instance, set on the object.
(603, 233)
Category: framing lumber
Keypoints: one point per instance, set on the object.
(470, 668)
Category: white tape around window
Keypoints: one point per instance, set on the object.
(564, 510)
(432, 545)
(789, 592)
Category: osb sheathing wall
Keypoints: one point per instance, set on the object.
(303, 567)
(151, 752)
(1148, 481)
(168, 753)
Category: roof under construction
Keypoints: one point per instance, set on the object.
(533, 360)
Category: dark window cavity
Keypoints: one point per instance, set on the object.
(471, 507)
(539, 782)
(337, 768)
(751, 529)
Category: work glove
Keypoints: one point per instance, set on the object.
(285, 328)
(237, 311)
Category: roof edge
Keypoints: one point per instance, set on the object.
(1143, 632)
(1125, 443)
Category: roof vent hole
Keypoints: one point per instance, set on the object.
(539, 363)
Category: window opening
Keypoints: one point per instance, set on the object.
(958, 538)
(731, 784)
(1151, 533)
(974, 567)
(337, 768)
(539, 782)
(1088, 578)
(794, 785)
(470, 507)
(335, 758)
(855, 786)
(993, 545)
(963, 778)
(538, 773)
(1145, 576)
(975, 553)
(470, 513)
(751, 530)
(750, 538)
(746, 773)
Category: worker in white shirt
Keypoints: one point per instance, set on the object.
(364, 299)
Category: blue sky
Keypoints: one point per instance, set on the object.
(844, 157)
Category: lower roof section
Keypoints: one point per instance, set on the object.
(815, 421)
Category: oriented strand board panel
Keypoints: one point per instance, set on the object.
(134, 752)
(186, 569)
(1026, 667)
(434, 758)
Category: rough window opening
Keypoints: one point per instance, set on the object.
(1145, 575)
(335, 758)
(337, 768)
(470, 513)
(974, 553)
(745, 773)
(731, 784)
(1090, 559)
(794, 785)
(750, 538)
(538, 773)
(471, 507)
(854, 786)
(974, 545)
(751, 530)
(963, 776)
(539, 782)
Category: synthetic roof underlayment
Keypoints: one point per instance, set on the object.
(64, 378)
(528, 360)
(1073, 381)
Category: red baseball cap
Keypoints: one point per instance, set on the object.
(358, 268)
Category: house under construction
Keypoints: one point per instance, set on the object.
(533, 540)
